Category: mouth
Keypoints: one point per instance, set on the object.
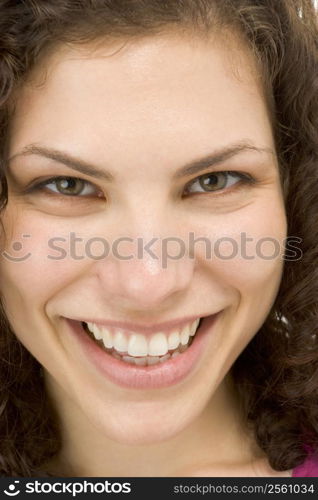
(135, 361)
(141, 350)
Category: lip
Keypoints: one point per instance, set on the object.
(126, 375)
(146, 330)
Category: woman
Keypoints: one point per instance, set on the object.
(137, 137)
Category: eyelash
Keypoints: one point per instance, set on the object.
(38, 187)
(244, 179)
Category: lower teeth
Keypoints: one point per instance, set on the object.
(148, 360)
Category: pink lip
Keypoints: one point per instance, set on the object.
(146, 330)
(156, 376)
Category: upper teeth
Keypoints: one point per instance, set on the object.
(136, 344)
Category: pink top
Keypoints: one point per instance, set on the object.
(309, 468)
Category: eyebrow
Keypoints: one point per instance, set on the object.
(216, 158)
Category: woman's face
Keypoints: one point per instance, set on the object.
(127, 123)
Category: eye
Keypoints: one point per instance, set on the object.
(67, 186)
(217, 181)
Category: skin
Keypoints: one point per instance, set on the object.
(143, 112)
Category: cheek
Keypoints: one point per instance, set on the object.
(30, 275)
(247, 247)
(29, 280)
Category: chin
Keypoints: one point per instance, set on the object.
(141, 432)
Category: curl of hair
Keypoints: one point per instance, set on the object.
(276, 376)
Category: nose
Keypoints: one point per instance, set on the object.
(154, 277)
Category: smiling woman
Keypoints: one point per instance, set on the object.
(125, 127)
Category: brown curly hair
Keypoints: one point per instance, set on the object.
(276, 376)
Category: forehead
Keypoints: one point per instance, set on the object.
(166, 88)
